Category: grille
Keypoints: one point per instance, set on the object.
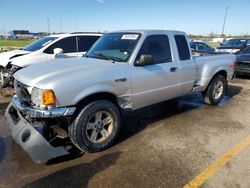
(22, 92)
(243, 64)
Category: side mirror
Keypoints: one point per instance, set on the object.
(58, 52)
(145, 60)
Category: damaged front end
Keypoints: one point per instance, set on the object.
(30, 137)
(40, 132)
(6, 75)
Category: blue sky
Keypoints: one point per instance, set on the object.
(191, 16)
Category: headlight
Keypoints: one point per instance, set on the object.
(43, 97)
(235, 50)
(49, 97)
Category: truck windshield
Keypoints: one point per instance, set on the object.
(114, 46)
(246, 50)
(34, 46)
(234, 42)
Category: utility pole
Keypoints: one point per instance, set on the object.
(225, 18)
(48, 20)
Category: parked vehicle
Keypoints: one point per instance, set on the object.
(248, 42)
(123, 71)
(233, 46)
(243, 62)
(200, 47)
(48, 48)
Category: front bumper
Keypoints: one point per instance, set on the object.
(38, 113)
(228, 50)
(29, 138)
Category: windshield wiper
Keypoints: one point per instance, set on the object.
(105, 57)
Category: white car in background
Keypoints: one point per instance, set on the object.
(42, 50)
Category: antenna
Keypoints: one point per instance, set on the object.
(48, 21)
(61, 26)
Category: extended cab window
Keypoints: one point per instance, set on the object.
(158, 46)
(85, 42)
(182, 47)
(67, 44)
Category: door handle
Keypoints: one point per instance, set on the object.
(173, 69)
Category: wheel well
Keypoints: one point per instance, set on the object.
(97, 96)
(222, 72)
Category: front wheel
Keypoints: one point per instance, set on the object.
(96, 126)
(216, 90)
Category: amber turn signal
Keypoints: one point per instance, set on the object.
(49, 97)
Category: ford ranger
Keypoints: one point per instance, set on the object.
(82, 99)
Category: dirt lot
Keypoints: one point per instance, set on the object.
(165, 145)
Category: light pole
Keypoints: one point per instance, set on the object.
(61, 26)
(225, 18)
(48, 24)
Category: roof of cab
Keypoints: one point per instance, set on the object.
(62, 35)
(149, 31)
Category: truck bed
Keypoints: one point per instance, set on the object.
(207, 66)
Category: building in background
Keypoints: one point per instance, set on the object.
(25, 34)
(4, 36)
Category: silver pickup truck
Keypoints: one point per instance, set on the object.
(82, 99)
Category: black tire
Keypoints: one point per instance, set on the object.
(80, 134)
(209, 95)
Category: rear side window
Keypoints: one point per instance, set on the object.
(157, 46)
(182, 47)
(67, 44)
(85, 42)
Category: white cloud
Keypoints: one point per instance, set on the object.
(100, 1)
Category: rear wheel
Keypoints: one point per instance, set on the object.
(216, 90)
(96, 126)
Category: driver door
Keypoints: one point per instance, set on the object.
(159, 81)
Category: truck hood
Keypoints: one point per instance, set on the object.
(6, 56)
(243, 58)
(229, 47)
(70, 70)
